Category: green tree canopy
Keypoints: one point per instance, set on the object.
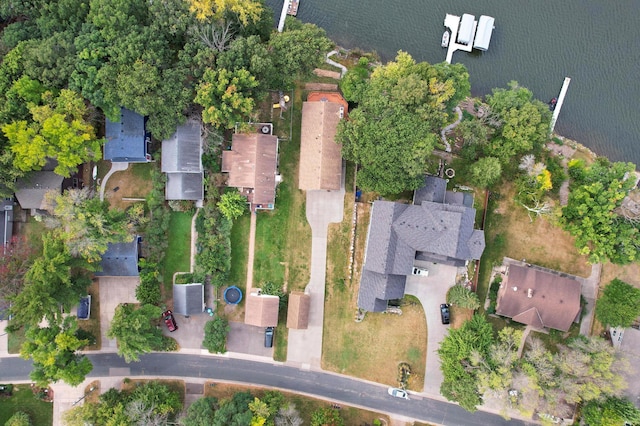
(394, 129)
(215, 335)
(619, 306)
(54, 351)
(20, 418)
(486, 171)
(232, 204)
(590, 217)
(610, 412)
(201, 412)
(135, 330)
(461, 296)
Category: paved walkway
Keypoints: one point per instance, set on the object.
(590, 293)
(115, 167)
(432, 291)
(449, 128)
(323, 207)
(343, 69)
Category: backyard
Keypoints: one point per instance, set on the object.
(23, 399)
(125, 187)
(178, 255)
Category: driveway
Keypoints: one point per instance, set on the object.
(190, 330)
(247, 339)
(323, 207)
(113, 291)
(630, 347)
(432, 291)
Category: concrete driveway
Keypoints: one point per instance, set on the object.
(432, 291)
(190, 330)
(114, 291)
(630, 347)
(247, 339)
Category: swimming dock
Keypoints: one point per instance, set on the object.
(453, 23)
(556, 111)
(286, 5)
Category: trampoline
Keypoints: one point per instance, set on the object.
(232, 295)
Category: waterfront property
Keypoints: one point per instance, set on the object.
(467, 33)
(438, 228)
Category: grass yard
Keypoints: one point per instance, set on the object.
(135, 182)
(306, 406)
(371, 349)
(239, 251)
(283, 236)
(23, 399)
(627, 273)
(92, 325)
(178, 256)
(15, 340)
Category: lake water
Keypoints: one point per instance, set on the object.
(537, 43)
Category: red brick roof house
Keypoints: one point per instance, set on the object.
(320, 155)
(262, 310)
(252, 165)
(539, 297)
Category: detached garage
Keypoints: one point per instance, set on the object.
(188, 299)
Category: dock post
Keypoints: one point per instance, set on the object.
(556, 111)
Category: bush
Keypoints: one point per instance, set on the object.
(148, 291)
(215, 335)
(461, 296)
(168, 344)
(20, 418)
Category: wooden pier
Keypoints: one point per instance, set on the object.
(283, 15)
(556, 110)
(453, 23)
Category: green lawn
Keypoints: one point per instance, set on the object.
(239, 251)
(177, 258)
(142, 170)
(40, 412)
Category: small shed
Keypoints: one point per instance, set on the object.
(298, 311)
(188, 299)
(262, 310)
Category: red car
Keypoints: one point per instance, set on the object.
(169, 320)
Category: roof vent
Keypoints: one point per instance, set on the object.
(515, 288)
(341, 112)
(530, 293)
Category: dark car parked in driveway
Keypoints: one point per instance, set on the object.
(444, 313)
(268, 337)
(169, 320)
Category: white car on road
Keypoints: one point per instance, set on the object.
(398, 393)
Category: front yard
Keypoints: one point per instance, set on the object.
(23, 399)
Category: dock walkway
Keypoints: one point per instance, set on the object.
(556, 110)
(453, 23)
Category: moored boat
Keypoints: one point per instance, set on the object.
(445, 39)
(293, 7)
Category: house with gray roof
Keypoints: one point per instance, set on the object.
(437, 227)
(31, 189)
(6, 221)
(181, 161)
(188, 299)
(127, 139)
(120, 260)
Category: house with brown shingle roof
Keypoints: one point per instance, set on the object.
(539, 297)
(262, 310)
(298, 310)
(252, 165)
(320, 155)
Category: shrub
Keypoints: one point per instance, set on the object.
(461, 296)
(148, 291)
(215, 335)
(20, 418)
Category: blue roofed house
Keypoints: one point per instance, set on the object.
(181, 161)
(438, 227)
(127, 139)
(120, 260)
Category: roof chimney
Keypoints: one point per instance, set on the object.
(530, 293)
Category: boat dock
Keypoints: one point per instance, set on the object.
(453, 23)
(558, 107)
(283, 15)
(293, 7)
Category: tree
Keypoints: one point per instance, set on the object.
(246, 10)
(227, 96)
(201, 412)
(53, 283)
(296, 52)
(59, 130)
(288, 416)
(590, 213)
(619, 306)
(461, 296)
(460, 382)
(87, 225)
(251, 54)
(234, 412)
(215, 335)
(15, 260)
(486, 171)
(19, 418)
(521, 123)
(396, 125)
(232, 204)
(610, 412)
(326, 417)
(135, 330)
(354, 81)
(54, 353)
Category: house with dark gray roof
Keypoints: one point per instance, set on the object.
(127, 139)
(437, 227)
(188, 299)
(120, 260)
(181, 161)
(31, 189)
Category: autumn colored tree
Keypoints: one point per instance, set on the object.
(246, 10)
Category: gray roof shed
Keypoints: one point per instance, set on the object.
(127, 139)
(188, 299)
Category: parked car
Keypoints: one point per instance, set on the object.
(420, 271)
(398, 393)
(169, 320)
(268, 337)
(444, 313)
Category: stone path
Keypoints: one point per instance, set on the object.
(335, 64)
(115, 167)
(449, 128)
(590, 293)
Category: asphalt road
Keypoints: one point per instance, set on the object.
(326, 385)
